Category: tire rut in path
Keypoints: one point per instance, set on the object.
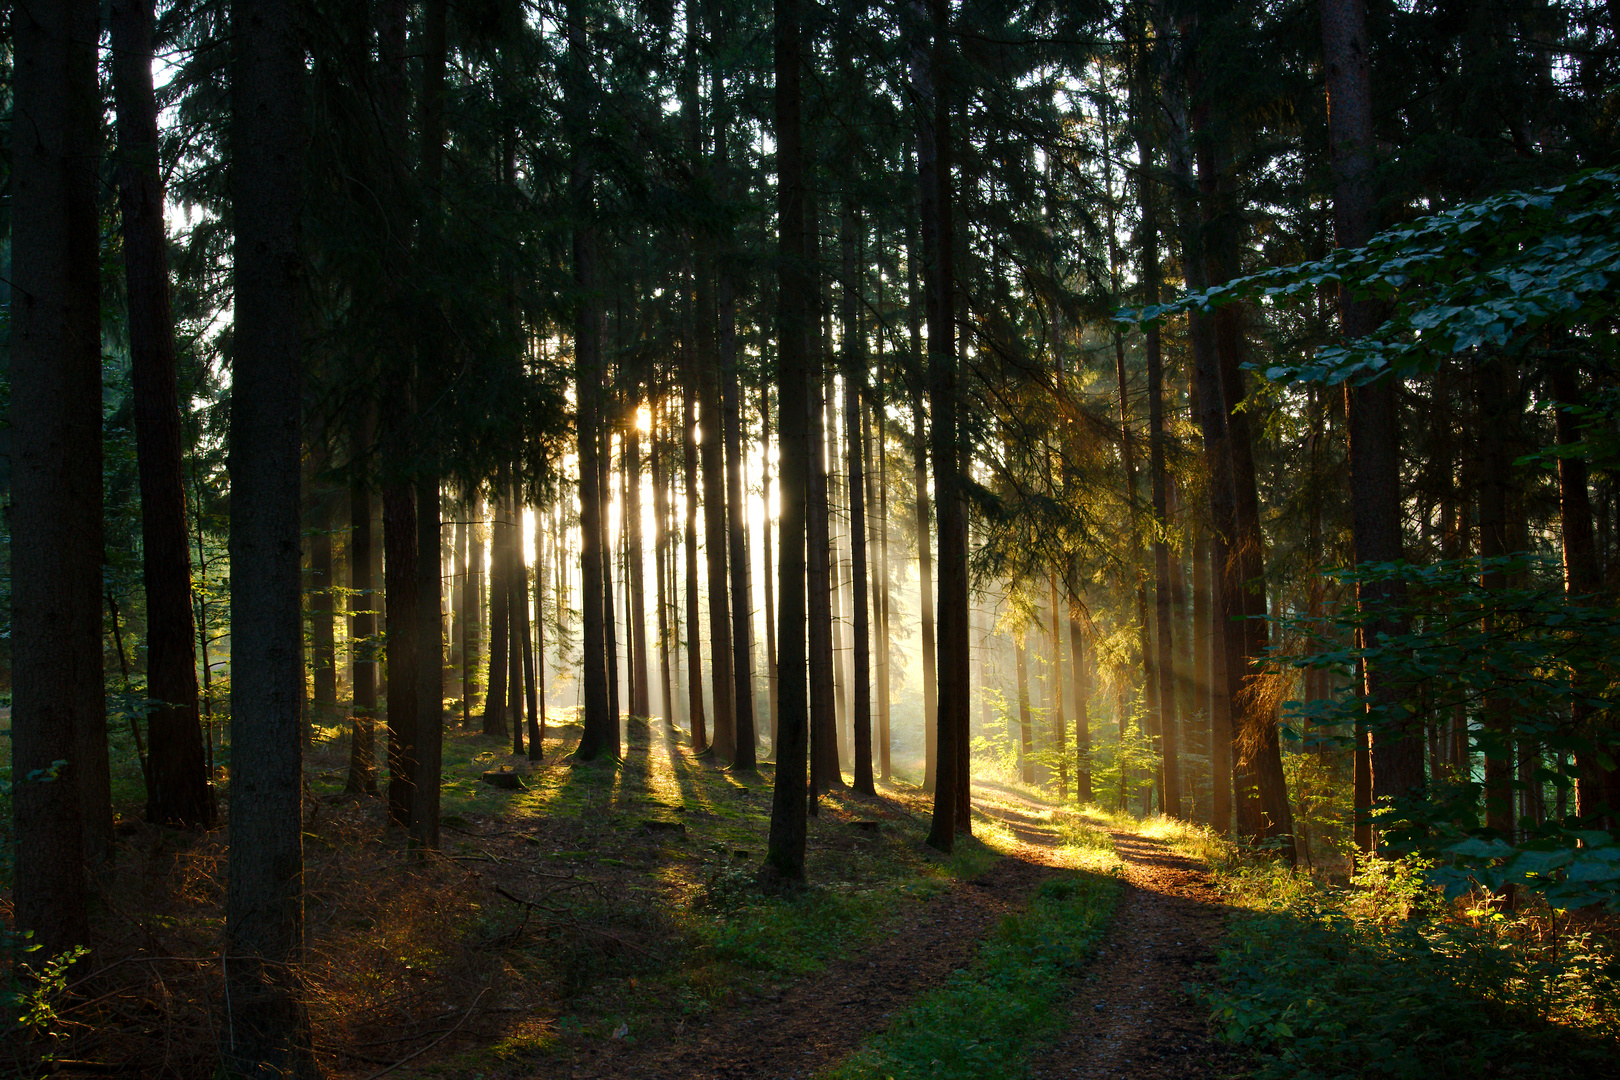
(813, 1023)
(1132, 1018)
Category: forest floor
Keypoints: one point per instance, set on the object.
(601, 921)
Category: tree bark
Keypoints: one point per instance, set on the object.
(785, 855)
(403, 626)
(362, 640)
(471, 613)
(601, 726)
(178, 792)
(641, 700)
(1594, 781)
(1375, 492)
(712, 459)
(500, 613)
(855, 448)
(267, 1031)
(56, 494)
(825, 772)
(951, 814)
(770, 575)
(695, 713)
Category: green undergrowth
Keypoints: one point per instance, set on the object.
(1385, 979)
(983, 1020)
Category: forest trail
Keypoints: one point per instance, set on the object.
(815, 1022)
(1133, 1018)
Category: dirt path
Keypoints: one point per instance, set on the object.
(815, 1022)
(1132, 1017)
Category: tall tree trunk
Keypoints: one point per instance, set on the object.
(1082, 690)
(825, 773)
(610, 629)
(471, 613)
(601, 728)
(1060, 723)
(694, 648)
(402, 628)
(1495, 421)
(267, 1031)
(1026, 727)
(520, 598)
(712, 460)
(641, 701)
(855, 447)
(1594, 782)
(456, 598)
(56, 512)
(661, 563)
(1164, 647)
(500, 612)
(838, 565)
(178, 792)
(362, 642)
(885, 737)
(765, 543)
(951, 814)
(785, 854)
(1375, 492)
(744, 724)
(925, 577)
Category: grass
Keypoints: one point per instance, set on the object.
(983, 1022)
(1384, 979)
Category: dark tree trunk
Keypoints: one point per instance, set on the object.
(1594, 783)
(1225, 656)
(56, 498)
(885, 736)
(785, 855)
(711, 457)
(1082, 692)
(428, 741)
(1164, 647)
(951, 812)
(610, 629)
(403, 626)
(744, 724)
(636, 585)
(178, 792)
(601, 727)
(854, 387)
(825, 773)
(362, 643)
(500, 612)
(661, 565)
(770, 575)
(322, 630)
(1397, 747)
(430, 533)
(1060, 723)
(925, 576)
(694, 646)
(1495, 421)
(1026, 728)
(267, 1031)
(458, 589)
(471, 612)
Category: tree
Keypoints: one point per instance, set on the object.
(784, 858)
(1396, 754)
(267, 1031)
(178, 791)
(58, 713)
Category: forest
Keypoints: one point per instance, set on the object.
(861, 539)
